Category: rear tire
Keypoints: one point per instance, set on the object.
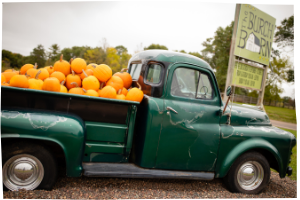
(28, 166)
(249, 174)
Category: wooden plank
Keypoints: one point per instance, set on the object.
(232, 47)
(246, 63)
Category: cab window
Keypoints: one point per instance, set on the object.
(154, 74)
(191, 83)
(184, 82)
(135, 71)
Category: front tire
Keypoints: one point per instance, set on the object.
(249, 174)
(28, 166)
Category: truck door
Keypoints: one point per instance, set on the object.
(190, 133)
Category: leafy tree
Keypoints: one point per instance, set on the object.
(38, 55)
(113, 59)
(53, 55)
(11, 60)
(75, 51)
(290, 74)
(284, 35)
(96, 55)
(125, 57)
(121, 49)
(156, 46)
(216, 53)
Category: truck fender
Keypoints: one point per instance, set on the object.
(66, 130)
(254, 143)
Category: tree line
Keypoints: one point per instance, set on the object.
(216, 53)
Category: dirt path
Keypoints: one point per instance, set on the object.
(121, 188)
(286, 125)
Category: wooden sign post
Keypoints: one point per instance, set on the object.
(250, 51)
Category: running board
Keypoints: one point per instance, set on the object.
(129, 170)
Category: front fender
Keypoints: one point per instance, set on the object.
(224, 163)
(66, 130)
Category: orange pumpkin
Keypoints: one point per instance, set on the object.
(72, 78)
(116, 82)
(108, 92)
(5, 84)
(51, 84)
(76, 89)
(31, 72)
(19, 81)
(78, 64)
(9, 75)
(91, 82)
(126, 77)
(124, 91)
(103, 72)
(59, 75)
(43, 74)
(25, 67)
(9, 70)
(135, 94)
(86, 73)
(120, 96)
(63, 89)
(91, 66)
(62, 66)
(3, 79)
(36, 83)
(50, 69)
(92, 93)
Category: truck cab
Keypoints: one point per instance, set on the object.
(179, 130)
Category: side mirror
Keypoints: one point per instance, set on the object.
(229, 91)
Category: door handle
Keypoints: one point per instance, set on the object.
(171, 109)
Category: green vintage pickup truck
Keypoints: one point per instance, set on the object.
(179, 130)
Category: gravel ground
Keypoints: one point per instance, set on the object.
(123, 188)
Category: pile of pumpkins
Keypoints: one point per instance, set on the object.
(75, 77)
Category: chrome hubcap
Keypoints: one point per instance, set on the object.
(250, 175)
(22, 172)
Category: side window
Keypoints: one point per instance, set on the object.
(205, 90)
(191, 83)
(135, 71)
(154, 73)
(184, 82)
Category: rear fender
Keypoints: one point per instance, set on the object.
(66, 130)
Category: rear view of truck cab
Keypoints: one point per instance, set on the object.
(177, 131)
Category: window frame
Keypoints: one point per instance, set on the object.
(160, 76)
(215, 101)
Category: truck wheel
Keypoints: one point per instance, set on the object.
(249, 174)
(28, 166)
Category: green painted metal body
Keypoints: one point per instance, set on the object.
(66, 130)
(197, 138)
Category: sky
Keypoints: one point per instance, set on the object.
(179, 25)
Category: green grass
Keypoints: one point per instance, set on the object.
(279, 114)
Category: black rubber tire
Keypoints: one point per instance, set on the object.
(230, 180)
(42, 153)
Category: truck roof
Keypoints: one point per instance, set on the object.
(169, 56)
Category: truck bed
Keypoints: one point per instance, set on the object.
(95, 109)
(109, 123)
